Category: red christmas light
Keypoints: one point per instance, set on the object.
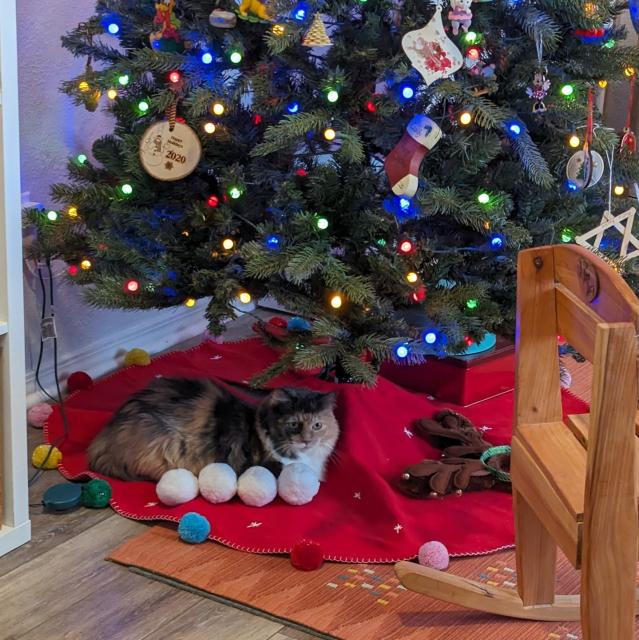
(419, 295)
(175, 77)
(406, 246)
(468, 340)
(72, 269)
(473, 53)
(257, 119)
(370, 106)
(181, 120)
(302, 173)
(132, 286)
(213, 201)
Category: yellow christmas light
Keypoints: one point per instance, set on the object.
(336, 301)
(329, 134)
(411, 276)
(465, 118)
(619, 189)
(574, 141)
(72, 212)
(85, 265)
(629, 71)
(244, 297)
(112, 94)
(217, 108)
(603, 83)
(84, 86)
(190, 302)
(228, 244)
(279, 29)
(209, 127)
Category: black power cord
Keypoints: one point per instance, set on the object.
(48, 332)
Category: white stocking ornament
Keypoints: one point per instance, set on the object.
(431, 51)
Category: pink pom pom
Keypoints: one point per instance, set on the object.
(38, 414)
(79, 381)
(433, 554)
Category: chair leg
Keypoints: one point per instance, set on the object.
(536, 556)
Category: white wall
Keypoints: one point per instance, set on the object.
(51, 129)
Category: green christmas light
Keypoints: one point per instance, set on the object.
(235, 57)
(332, 95)
(52, 215)
(567, 90)
(123, 79)
(235, 192)
(567, 235)
(143, 106)
(126, 189)
(322, 223)
(483, 198)
(81, 158)
(472, 303)
(609, 44)
(381, 242)
(470, 37)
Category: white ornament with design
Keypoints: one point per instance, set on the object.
(431, 51)
(170, 153)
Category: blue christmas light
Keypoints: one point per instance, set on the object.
(571, 186)
(293, 107)
(514, 128)
(300, 11)
(408, 92)
(207, 57)
(401, 350)
(401, 207)
(404, 203)
(272, 241)
(113, 28)
(429, 337)
(496, 242)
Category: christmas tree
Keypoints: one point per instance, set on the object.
(372, 165)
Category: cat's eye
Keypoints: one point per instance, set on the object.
(296, 426)
(317, 426)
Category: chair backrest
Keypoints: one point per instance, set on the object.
(568, 291)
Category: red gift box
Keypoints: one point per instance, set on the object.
(461, 380)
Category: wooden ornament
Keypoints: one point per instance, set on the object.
(222, 19)
(592, 239)
(431, 51)
(169, 153)
(316, 35)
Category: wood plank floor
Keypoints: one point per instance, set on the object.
(59, 587)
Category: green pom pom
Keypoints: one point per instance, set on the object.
(96, 494)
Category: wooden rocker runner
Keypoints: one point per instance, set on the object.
(574, 482)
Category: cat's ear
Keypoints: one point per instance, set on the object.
(278, 396)
(329, 399)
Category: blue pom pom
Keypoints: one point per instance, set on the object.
(298, 324)
(193, 528)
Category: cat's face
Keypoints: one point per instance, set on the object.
(299, 420)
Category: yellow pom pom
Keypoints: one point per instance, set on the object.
(137, 357)
(39, 456)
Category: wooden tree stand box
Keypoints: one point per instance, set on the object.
(461, 380)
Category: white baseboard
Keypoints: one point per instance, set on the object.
(106, 353)
(13, 537)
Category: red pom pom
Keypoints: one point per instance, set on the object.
(278, 321)
(79, 381)
(307, 556)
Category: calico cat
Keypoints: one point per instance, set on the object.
(181, 423)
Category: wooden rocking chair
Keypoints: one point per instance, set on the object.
(574, 482)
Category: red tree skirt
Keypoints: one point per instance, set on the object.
(357, 516)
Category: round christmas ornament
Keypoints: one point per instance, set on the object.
(193, 528)
(431, 51)
(307, 555)
(79, 381)
(170, 150)
(38, 414)
(46, 456)
(96, 494)
(586, 167)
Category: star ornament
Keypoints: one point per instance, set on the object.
(623, 223)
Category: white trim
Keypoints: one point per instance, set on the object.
(13, 430)
(105, 354)
(14, 537)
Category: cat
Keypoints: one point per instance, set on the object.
(183, 423)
